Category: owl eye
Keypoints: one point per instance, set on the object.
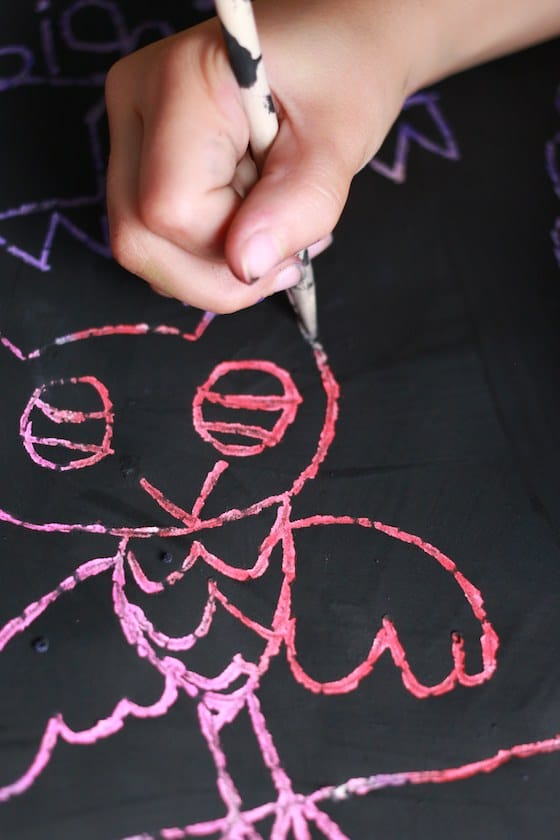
(223, 405)
(66, 418)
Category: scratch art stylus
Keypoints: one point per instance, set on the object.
(244, 51)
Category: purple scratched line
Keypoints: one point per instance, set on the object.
(552, 160)
(551, 151)
(120, 44)
(406, 135)
(24, 77)
(27, 60)
(125, 41)
(47, 44)
(32, 207)
(57, 220)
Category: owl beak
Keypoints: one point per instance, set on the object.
(188, 518)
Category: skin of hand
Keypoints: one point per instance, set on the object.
(185, 213)
(179, 157)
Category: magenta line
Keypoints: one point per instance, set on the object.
(387, 639)
(61, 416)
(359, 787)
(370, 784)
(286, 403)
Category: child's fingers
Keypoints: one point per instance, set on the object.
(179, 173)
(298, 200)
(170, 269)
(190, 153)
(208, 284)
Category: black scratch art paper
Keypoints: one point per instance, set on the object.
(254, 589)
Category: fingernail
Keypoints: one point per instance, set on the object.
(320, 246)
(288, 277)
(261, 253)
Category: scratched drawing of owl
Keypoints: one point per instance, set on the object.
(151, 473)
(182, 453)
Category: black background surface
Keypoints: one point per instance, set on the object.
(439, 308)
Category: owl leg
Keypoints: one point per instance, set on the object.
(294, 813)
(237, 825)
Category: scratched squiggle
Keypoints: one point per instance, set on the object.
(444, 146)
(552, 157)
(57, 38)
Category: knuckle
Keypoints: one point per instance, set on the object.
(170, 216)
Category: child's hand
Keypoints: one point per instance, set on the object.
(339, 71)
(179, 145)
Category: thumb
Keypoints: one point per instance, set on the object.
(297, 201)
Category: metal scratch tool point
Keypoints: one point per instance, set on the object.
(245, 56)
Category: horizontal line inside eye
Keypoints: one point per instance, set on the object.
(62, 455)
(249, 418)
(226, 430)
(251, 402)
(88, 432)
(65, 444)
(63, 415)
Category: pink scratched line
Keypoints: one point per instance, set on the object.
(217, 704)
(363, 787)
(218, 700)
(206, 319)
(387, 638)
(286, 403)
(59, 416)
